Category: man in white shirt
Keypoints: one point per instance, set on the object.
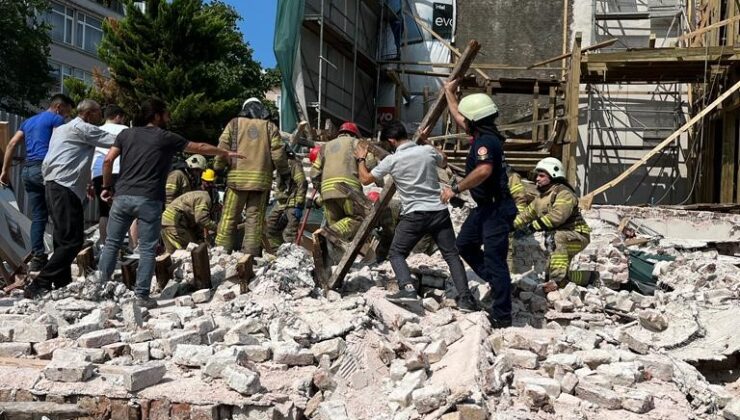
(115, 118)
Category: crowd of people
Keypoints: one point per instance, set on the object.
(142, 196)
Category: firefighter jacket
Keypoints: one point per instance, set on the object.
(178, 183)
(295, 195)
(518, 191)
(556, 208)
(336, 164)
(260, 142)
(190, 211)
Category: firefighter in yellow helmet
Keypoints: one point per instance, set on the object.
(249, 180)
(184, 177)
(282, 225)
(186, 218)
(555, 211)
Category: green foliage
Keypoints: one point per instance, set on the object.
(272, 78)
(189, 54)
(24, 46)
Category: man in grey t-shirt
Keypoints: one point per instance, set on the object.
(414, 170)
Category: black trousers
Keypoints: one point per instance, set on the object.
(67, 217)
(409, 231)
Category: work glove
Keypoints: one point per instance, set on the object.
(526, 230)
(298, 212)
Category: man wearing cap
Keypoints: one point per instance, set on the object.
(187, 218)
(282, 225)
(488, 224)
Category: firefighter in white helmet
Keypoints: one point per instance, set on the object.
(184, 177)
(555, 211)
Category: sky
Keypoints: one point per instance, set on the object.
(258, 27)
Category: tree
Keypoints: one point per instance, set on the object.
(189, 54)
(25, 78)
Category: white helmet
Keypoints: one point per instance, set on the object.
(552, 166)
(196, 162)
(477, 106)
(250, 100)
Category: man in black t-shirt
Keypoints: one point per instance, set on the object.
(146, 157)
(488, 224)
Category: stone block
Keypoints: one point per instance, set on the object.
(565, 361)
(75, 331)
(15, 349)
(732, 410)
(68, 370)
(257, 353)
(202, 295)
(636, 401)
(204, 412)
(430, 304)
(216, 336)
(411, 329)
(185, 301)
(552, 297)
(169, 345)
(231, 356)
(435, 351)
(186, 314)
(203, 325)
(398, 369)
(657, 367)
(622, 373)
(564, 306)
(170, 290)
(116, 350)
(603, 397)
(333, 410)
(241, 333)
(410, 382)
(652, 320)
(45, 349)
(97, 339)
(32, 332)
(449, 333)
(332, 348)
(192, 355)
(242, 380)
(140, 352)
(551, 386)
(595, 358)
(568, 383)
(132, 316)
(522, 358)
(136, 378)
(472, 412)
(292, 355)
(429, 398)
(225, 295)
(535, 396)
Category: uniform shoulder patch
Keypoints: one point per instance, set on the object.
(483, 150)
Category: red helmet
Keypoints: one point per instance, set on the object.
(374, 196)
(314, 153)
(350, 127)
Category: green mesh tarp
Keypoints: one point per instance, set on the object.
(641, 271)
(287, 37)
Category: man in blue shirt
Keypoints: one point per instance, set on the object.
(414, 170)
(36, 133)
(488, 224)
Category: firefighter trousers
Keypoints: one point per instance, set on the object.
(282, 226)
(254, 206)
(175, 237)
(341, 218)
(567, 244)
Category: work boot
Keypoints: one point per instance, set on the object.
(467, 304)
(146, 302)
(406, 295)
(37, 263)
(34, 290)
(500, 323)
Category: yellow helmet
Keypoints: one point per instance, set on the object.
(209, 175)
(477, 106)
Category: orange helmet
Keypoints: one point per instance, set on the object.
(314, 153)
(350, 127)
(374, 196)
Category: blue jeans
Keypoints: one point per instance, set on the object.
(33, 182)
(488, 225)
(125, 209)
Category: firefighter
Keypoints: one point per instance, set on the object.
(336, 164)
(555, 211)
(521, 199)
(188, 217)
(282, 225)
(184, 177)
(249, 180)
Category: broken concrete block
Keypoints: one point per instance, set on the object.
(732, 410)
(604, 397)
(186, 314)
(185, 301)
(430, 304)
(97, 339)
(45, 349)
(202, 295)
(595, 358)
(68, 370)
(657, 367)
(169, 345)
(292, 355)
(435, 351)
(323, 380)
(136, 378)
(551, 386)
(131, 314)
(398, 369)
(140, 352)
(622, 373)
(568, 383)
(242, 380)
(116, 350)
(522, 358)
(633, 343)
(535, 396)
(565, 361)
(472, 412)
(564, 306)
(333, 410)
(410, 382)
(449, 333)
(75, 331)
(241, 333)
(32, 332)
(538, 304)
(216, 336)
(228, 357)
(636, 401)
(333, 348)
(552, 297)
(192, 355)
(224, 295)
(652, 320)
(203, 325)
(170, 290)
(411, 329)
(528, 283)
(15, 349)
(429, 398)
(257, 354)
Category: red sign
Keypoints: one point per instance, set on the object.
(386, 113)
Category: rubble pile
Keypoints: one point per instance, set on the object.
(286, 349)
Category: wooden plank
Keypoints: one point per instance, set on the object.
(430, 119)
(729, 140)
(201, 267)
(587, 200)
(85, 261)
(691, 35)
(128, 272)
(163, 270)
(593, 47)
(245, 272)
(536, 112)
(572, 100)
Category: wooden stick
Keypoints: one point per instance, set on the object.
(705, 29)
(85, 261)
(587, 200)
(602, 44)
(163, 270)
(245, 272)
(128, 273)
(201, 267)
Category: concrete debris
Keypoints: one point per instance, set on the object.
(286, 348)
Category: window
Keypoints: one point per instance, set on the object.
(89, 32)
(61, 19)
(61, 72)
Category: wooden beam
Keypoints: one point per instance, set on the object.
(85, 261)
(689, 36)
(245, 272)
(201, 267)
(729, 141)
(482, 66)
(587, 200)
(128, 273)
(535, 112)
(430, 119)
(651, 41)
(572, 100)
(602, 44)
(163, 270)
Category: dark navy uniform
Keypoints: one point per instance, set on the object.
(488, 225)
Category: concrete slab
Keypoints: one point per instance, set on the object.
(465, 359)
